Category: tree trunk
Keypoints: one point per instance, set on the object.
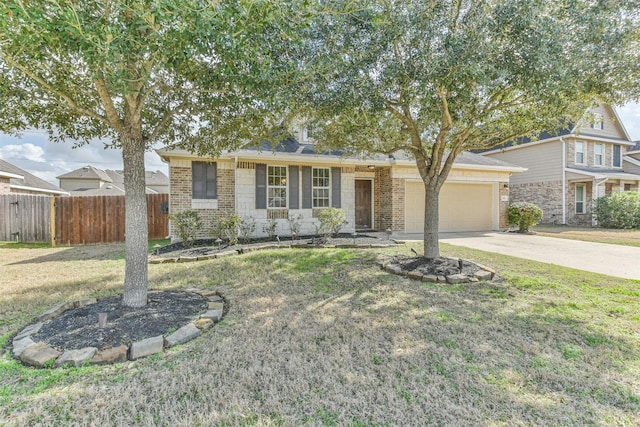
(431, 221)
(136, 226)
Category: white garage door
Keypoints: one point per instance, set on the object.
(463, 207)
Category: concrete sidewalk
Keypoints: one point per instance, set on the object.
(612, 260)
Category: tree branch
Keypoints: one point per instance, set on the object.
(112, 114)
(47, 86)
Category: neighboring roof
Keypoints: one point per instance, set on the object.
(605, 173)
(291, 148)
(87, 172)
(156, 178)
(635, 148)
(23, 180)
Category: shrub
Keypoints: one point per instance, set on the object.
(247, 228)
(187, 224)
(270, 228)
(525, 215)
(228, 228)
(295, 225)
(332, 220)
(618, 210)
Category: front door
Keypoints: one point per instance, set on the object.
(363, 205)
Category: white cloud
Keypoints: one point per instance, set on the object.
(24, 151)
(630, 117)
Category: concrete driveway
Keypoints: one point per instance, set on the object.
(612, 260)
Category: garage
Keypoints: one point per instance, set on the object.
(463, 207)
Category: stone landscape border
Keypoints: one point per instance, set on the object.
(484, 273)
(153, 259)
(42, 355)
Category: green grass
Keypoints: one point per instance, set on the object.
(325, 337)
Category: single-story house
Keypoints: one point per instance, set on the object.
(376, 193)
(15, 180)
(91, 181)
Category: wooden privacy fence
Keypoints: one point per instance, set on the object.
(74, 220)
(100, 219)
(25, 218)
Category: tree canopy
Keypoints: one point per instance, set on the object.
(200, 74)
(436, 78)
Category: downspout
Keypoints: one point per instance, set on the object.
(235, 183)
(564, 181)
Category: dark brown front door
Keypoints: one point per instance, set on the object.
(363, 205)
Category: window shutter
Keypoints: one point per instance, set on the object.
(294, 194)
(261, 186)
(336, 189)
(211, 181)
(306, 187)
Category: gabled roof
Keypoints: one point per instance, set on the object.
(87, 172)
(292, 150)
(20, 179)
(604, 173)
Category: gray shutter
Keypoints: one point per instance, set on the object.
(307, 202)
(336, 189)
(294, 193)
(261, 186)
(198, 180)
(211, 183)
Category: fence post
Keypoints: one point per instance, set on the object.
(52, 205)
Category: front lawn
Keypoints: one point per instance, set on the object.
(324, 337)
(591, 234)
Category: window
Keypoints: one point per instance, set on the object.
(306, 135)
(580, 192)
(277, 186)
(598, 122)
(321, 187)
(616, 156)
(598, 155)
(580, 152)
(627, 187)
(203, 180)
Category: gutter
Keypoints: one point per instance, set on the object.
(564, 181)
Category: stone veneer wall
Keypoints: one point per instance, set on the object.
(398, 202)
(548, 197)
(4, 186)
(180, 199)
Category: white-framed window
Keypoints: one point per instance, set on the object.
(580, 196)
(579, 152)
(306, 135)
(320, 187)
(276, 186)
(598, 158)
(598, 122)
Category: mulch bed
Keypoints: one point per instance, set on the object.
(78, 328)
(436, 266)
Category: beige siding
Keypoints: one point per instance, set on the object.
(611, 127)
(544, 162)
(631, 168)
(71, 184)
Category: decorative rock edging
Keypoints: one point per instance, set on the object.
(483, 273)
(41, 355)
(248, 249)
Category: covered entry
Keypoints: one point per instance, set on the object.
(463, 207)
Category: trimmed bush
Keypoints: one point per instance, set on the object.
(187, 224)
(618, 210)
(525, 215)
(228, 228)
(331, 221)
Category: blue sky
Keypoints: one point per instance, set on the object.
(35, 153)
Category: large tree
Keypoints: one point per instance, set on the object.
(199, 73)
(434, 78)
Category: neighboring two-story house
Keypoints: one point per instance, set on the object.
(91, 181)
(568, 171)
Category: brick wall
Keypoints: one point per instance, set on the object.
(546, 195)
(397, 204)
(382, 200)
(181, 199)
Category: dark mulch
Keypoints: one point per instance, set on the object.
(202, 247)
(436, 266)
(78, 328)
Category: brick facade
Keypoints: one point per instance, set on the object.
(180, 200)
(382, 201)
